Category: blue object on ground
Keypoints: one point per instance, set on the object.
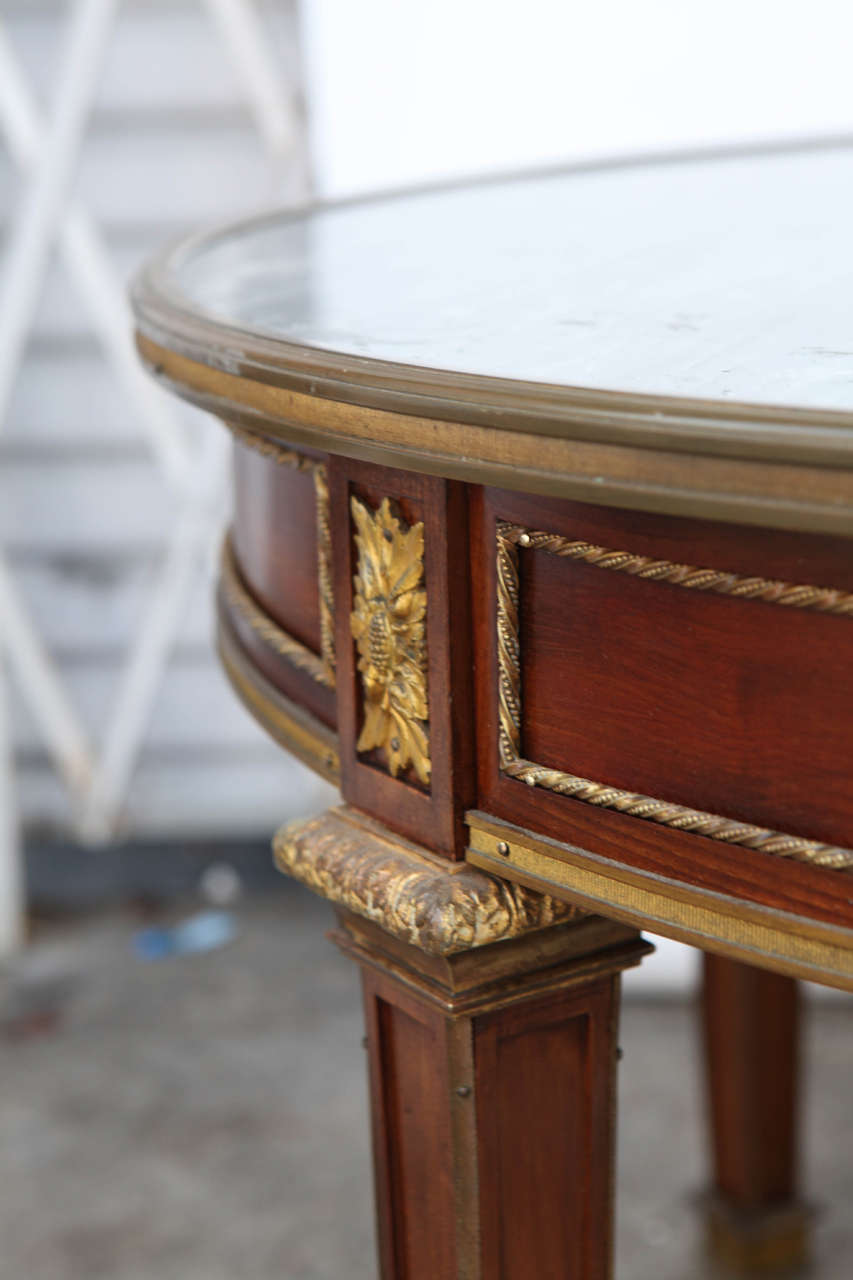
(204, 931)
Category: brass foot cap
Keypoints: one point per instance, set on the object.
(762, 1241)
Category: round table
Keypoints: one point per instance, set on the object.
(543, 492)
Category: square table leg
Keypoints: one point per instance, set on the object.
(492, 1082)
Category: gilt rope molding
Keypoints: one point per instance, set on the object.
(438, 907)
(322, 666)
(728, 830)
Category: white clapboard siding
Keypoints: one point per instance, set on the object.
(182, 172)
(88, 605)
(62, 317)
(67, 401)
(84, 511)
(194, 708)
(239, 793)
(80, 505)
(66, 398)
(147, 66)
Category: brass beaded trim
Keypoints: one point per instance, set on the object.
(509, 538)
(279, 639)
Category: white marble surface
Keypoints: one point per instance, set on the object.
(728, 279)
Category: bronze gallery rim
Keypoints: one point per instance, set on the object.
(709, 456)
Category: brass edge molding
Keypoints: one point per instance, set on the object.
(388, 624)
(658, 476)
(440, 909)
(296, 729)
(164, 312)
(287, 457)
(728, 830)
(777, 939)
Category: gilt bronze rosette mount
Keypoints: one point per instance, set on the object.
(389, 627)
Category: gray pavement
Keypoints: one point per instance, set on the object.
(204, 1117)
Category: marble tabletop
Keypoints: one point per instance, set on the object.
(724, 278)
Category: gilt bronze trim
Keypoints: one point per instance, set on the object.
(702, 918)
(441, 908)
(323, 670)
(296, 729)
(724, 479)
(509, 538)
(388, 624)
(265, 627)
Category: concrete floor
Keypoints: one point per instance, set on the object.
(204, 1118)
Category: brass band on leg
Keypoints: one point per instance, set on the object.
(774, 1240)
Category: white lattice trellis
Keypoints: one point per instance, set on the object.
(46, 153)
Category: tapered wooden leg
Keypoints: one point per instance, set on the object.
(756, 1221)
(492, 1081)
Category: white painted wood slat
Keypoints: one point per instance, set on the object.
(85, 516)
(147, 67)
(194, 708)
(78, 506)
(68, 399)
(87, 605)
(50, 213)
(180, 172)
(246, 793)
